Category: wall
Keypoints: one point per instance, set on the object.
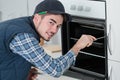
(13, 8)
(0, 11)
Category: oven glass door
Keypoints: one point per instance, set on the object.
(91, 59)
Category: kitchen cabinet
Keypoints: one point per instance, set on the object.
(13, 8)
(113, 70)
(113, 27)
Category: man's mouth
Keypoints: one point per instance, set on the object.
(49, 35)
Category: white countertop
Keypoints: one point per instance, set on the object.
(47, 77)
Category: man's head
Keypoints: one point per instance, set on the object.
(52, 6)
(48, 17)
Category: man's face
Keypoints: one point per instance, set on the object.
(49, 25)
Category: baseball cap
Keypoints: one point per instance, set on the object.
(52, 6)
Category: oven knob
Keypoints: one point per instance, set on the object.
(80, 8)
(73, 7)
(87, 9)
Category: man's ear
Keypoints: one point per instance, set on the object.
(37, 17)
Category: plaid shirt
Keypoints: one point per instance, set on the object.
(28, 47)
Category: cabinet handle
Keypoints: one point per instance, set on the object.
(109, 40)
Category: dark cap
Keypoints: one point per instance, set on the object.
(52, 6)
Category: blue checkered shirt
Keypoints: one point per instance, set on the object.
(26, 45)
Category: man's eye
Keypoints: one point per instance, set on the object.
(51, 23)
(59, 26)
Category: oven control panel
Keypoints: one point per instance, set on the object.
(86, 8)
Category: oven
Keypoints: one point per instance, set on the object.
(91, 62)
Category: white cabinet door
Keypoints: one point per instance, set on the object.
(113, 29)
(13, 8)
(113, 70)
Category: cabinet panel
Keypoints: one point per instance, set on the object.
(113, 70)
(13, 8)
(113, 27)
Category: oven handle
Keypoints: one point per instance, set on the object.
(109, 40)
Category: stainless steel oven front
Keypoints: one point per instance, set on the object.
(88, 17)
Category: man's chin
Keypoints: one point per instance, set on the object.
(47, 39)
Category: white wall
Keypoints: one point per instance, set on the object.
(31, 6)
(0, 11)
(13, 8)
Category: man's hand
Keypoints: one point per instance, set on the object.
(84, 41)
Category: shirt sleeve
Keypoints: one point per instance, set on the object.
(28, 47)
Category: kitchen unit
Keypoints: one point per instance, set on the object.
(107, 12)
(113, 27)
(88, 17)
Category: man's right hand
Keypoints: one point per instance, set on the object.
(84, 41)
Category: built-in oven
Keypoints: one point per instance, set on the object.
(91, 62)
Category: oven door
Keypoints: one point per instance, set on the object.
(91, 61)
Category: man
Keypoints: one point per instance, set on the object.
(19, 43)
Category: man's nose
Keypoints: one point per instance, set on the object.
(54, 29)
